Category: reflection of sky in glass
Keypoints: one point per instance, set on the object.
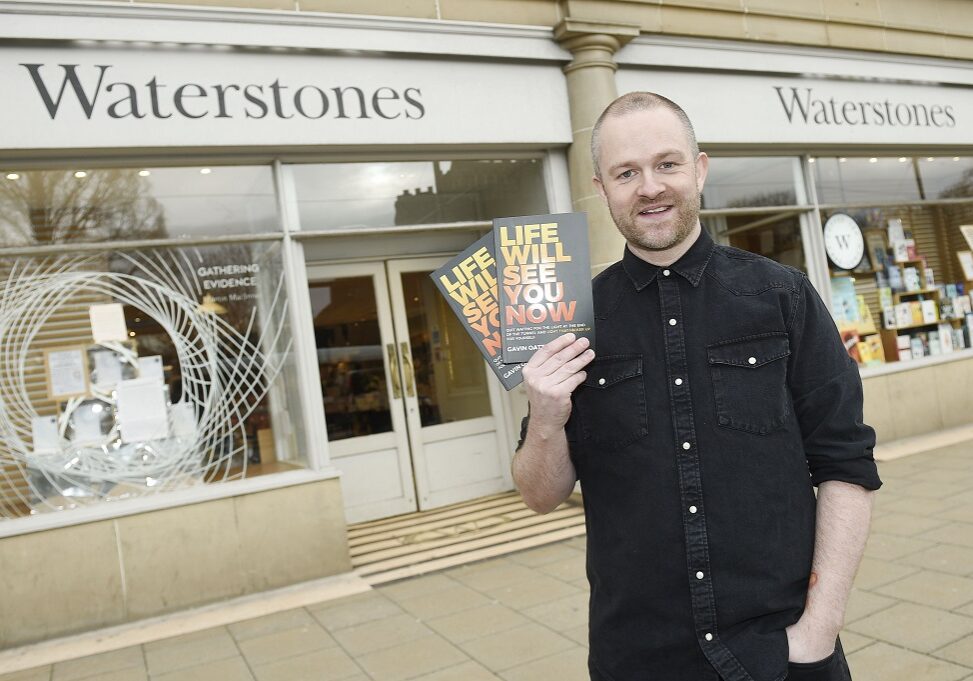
(859, 180)
(350, 195)
(227, 200)
(944, 173)
(750, 181)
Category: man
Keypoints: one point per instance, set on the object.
(719, 396)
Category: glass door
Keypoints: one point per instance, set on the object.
(410, 411)
(361, 384)
(451, 404)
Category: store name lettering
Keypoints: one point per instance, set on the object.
(800, 104)
(119, 99)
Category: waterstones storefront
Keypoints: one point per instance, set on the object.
(215, 240)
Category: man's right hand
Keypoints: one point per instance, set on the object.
(551, 376)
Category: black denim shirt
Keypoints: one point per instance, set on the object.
(720, 393)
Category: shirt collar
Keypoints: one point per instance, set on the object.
(690, 265)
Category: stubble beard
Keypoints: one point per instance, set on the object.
(684, 219)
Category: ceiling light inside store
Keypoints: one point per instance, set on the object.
(13, 176)
(930, 158)
(873, 160)
(956, 158)
(131, 333)
(902, 159)
(812, 160)
(144, 173)
(80, 174)
(205, 171)
(842, 159)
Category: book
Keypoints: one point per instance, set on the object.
(903, 315)
(884, 297)
(910, 275)
(946, 338)
(900, 250)
(844, 302)
(916, 308)
(866, 323)
(895, 278)
(895, 230)
(888, 318)
(545, 281)
(469, 284)
(929, 311)
(918, 351)
(934, 347)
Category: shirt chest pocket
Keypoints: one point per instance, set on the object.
(750, 382)
(610, 405)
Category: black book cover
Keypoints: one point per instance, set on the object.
(545, 281)
(469, 283)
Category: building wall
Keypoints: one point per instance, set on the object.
(104, 573)
(940, 28)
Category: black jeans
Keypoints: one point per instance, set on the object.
(832, 668)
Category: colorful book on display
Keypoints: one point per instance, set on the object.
(469, 283)
(545, 281)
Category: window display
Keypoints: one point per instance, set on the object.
(130, 373)
(910, 277)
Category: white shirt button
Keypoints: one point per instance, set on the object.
(699, 575)
(665, 273)
(601, 381)
(692, 509)
(678, 381)
(672, 322)
(686, 445)
(752, 360)
(708, 637)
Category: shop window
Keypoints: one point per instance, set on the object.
(130, 373)
(908, 295)
(753, 203)
(70, 205)
(349, 196)
(851, 180)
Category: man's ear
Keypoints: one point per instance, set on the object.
(702, 168)
(600, 187)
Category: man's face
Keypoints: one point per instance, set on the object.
(649, 178)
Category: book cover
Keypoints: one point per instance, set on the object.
(946, 338)
(929, 311)
(895, 278)
(911, 277)
(469, 283)
(545, 281)
(903, 315)
(916, 307)
(844, 302)
(875, 349)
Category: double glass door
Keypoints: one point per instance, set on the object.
(412, 416)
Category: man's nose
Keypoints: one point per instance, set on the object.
(650, 187)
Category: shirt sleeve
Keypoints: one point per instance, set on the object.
(826, 389)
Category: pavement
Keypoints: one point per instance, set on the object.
(522, 617)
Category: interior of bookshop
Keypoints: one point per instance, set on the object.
(898, 237)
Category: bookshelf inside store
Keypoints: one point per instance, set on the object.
(908, 298)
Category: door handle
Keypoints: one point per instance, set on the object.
(410, 381)
(394, 365)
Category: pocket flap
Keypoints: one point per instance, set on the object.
(750, 352)
(605, 372)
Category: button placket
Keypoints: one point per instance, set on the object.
(688, 468)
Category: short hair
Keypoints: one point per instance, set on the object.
(631, 103)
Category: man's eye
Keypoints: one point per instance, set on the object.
(626, 175)
(667, 165)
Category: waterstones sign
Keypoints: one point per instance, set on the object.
(107, 98)
(763, 109)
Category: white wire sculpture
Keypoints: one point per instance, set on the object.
(225, 373)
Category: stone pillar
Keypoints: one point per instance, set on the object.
(591, 87)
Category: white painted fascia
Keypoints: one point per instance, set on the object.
(667, 53)
(33, 20)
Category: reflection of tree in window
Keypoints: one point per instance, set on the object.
(58, 206)
(962, 188)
